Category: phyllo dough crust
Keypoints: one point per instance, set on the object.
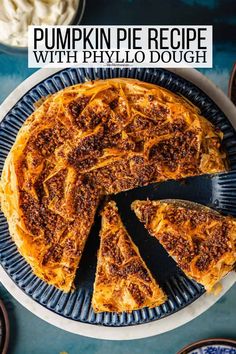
(201, 240)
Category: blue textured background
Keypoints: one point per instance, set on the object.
(30, 335)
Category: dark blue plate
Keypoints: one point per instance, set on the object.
(215, 191)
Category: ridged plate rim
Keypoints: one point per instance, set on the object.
(134, 331)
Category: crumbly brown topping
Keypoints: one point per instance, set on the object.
(31, 211)
(154, 110)
(210, 242)
(92, 116)
(215, 245)
(49, 139)
(91, 145)
(69, 247)
(136, 293)
(113, 104)
(180, 247)
(193, 217)
(85, 198)
(171, 151)
(76, 107)
(109, 249)
(38, 217)
(136, 267)
(146, 289)
(55, 184)
(53, 254)
(147, 211)
(111, 215)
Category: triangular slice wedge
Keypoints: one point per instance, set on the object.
(123, 281)
(201, 240)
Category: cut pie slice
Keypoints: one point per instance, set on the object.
(123, 281)
(201, 240)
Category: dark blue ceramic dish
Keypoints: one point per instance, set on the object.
(215, 191)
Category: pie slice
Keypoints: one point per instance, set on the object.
(201, 240)
(123, 281)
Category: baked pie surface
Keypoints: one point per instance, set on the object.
(202, 241)
(123, 281)
(91, 140)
